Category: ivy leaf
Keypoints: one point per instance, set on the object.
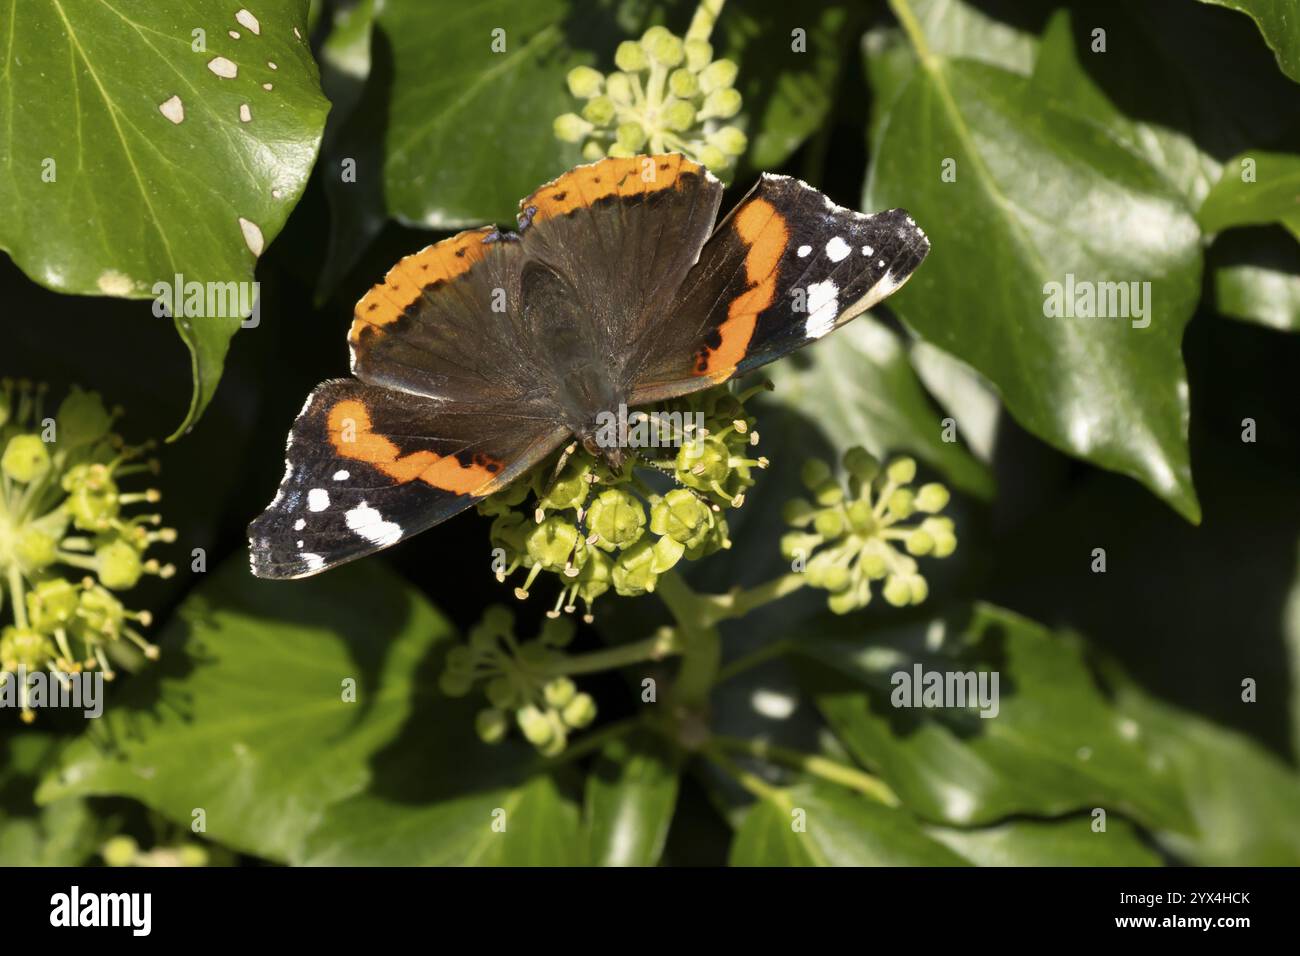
(862, 390)
(1056, 744)
(839, 828)
(1256, 188)
(63, 833)
(1039, 197)
(1257, 276)
(474, 91)
(631, 796)
(125, 159)
(1068, 842)
(245, 716)
(1279, 22)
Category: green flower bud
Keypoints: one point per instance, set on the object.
(721, 104)
(501, 693)
(584, 82)
(796, 544)
(932, 497)
(571, 128)
(596, 576)
(678, 115)
(119, 565)
(592, 151)
(698, 54)
(36, 548)
(918, 589)
(829, 524)
(51, 604)
(919, 543)
(730, 139)
(119, 851)
(663, 47)
(82, 419)
(24, 647)
(682, 83)
(829, 493)
(580, 711)
(535, 726)
(631, 136)
(26, 459)
(718, 75)
(99, 611)
(551, 543)
(844, 602)
(617, 518)
(702, 462)
(619, 88)
(455, 683)
(634, 572)
(682, 516)
(861, 518)
(599, 110)
(559, 691)
(902, 471)
(797, 512)
(874, 562)
(901, 503)
(619, 150)
(556, 632)
(460, 659)
(491, 725)
(814, 473)
(192, 855)
(898, 591)
(711, 156)
(630, 57)
(861, 464)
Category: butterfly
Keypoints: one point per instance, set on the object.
(479, 356)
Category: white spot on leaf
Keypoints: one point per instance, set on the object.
(173, 109)
(114, 283)
(223, 68)
(248, 20)
(245, 114)
(252, 236)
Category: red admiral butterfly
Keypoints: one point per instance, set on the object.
(477, 357)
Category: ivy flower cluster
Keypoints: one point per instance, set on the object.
(667, 94)
(519, 680)
(871, 531)
(67, 544)
(597, 530)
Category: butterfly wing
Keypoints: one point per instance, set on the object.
(784, 268)
(367, 466)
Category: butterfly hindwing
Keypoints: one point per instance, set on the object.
(368, 466)
(785, 267)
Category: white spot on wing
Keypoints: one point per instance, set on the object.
(252, 236)
(867, 251)
(802, 251)
(342, 475)
(318, 499)
(173, 109)
(314, 562)
(223, 68)
(370, 524)
(823, 308)
(300, 524)
(837, 249)
(248, 20)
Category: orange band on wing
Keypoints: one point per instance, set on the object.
(613, 176)
(406, 281)
(764, 231)
(351, 435)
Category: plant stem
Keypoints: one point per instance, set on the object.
(701, 644)
(760, 656)
(663, 643)
(751, 782)
(706, 14)
(814, 764)
(738, 603)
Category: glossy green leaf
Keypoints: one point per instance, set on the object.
(1038, 198)
(125, 157)
(819, 824)
(861, 389)
(631, 796)
(245, 716)
(1055, 745)
(474, 91)
(1279, 22)
(1244, 801)
(1068, 842)
(1256, 276)
(1256, 188)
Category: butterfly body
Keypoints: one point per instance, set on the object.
(477, 357)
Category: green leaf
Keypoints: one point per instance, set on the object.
(1256, 188)
(1256, 276)
(1279, 21)
(1245, 803)
(245, 715)
(64, 833)
(861, 390)
(123, 158)
(1056, 744)
(1068, 842)
(819, 824)
(631, 796)
(1039, 197)
(469, 128)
